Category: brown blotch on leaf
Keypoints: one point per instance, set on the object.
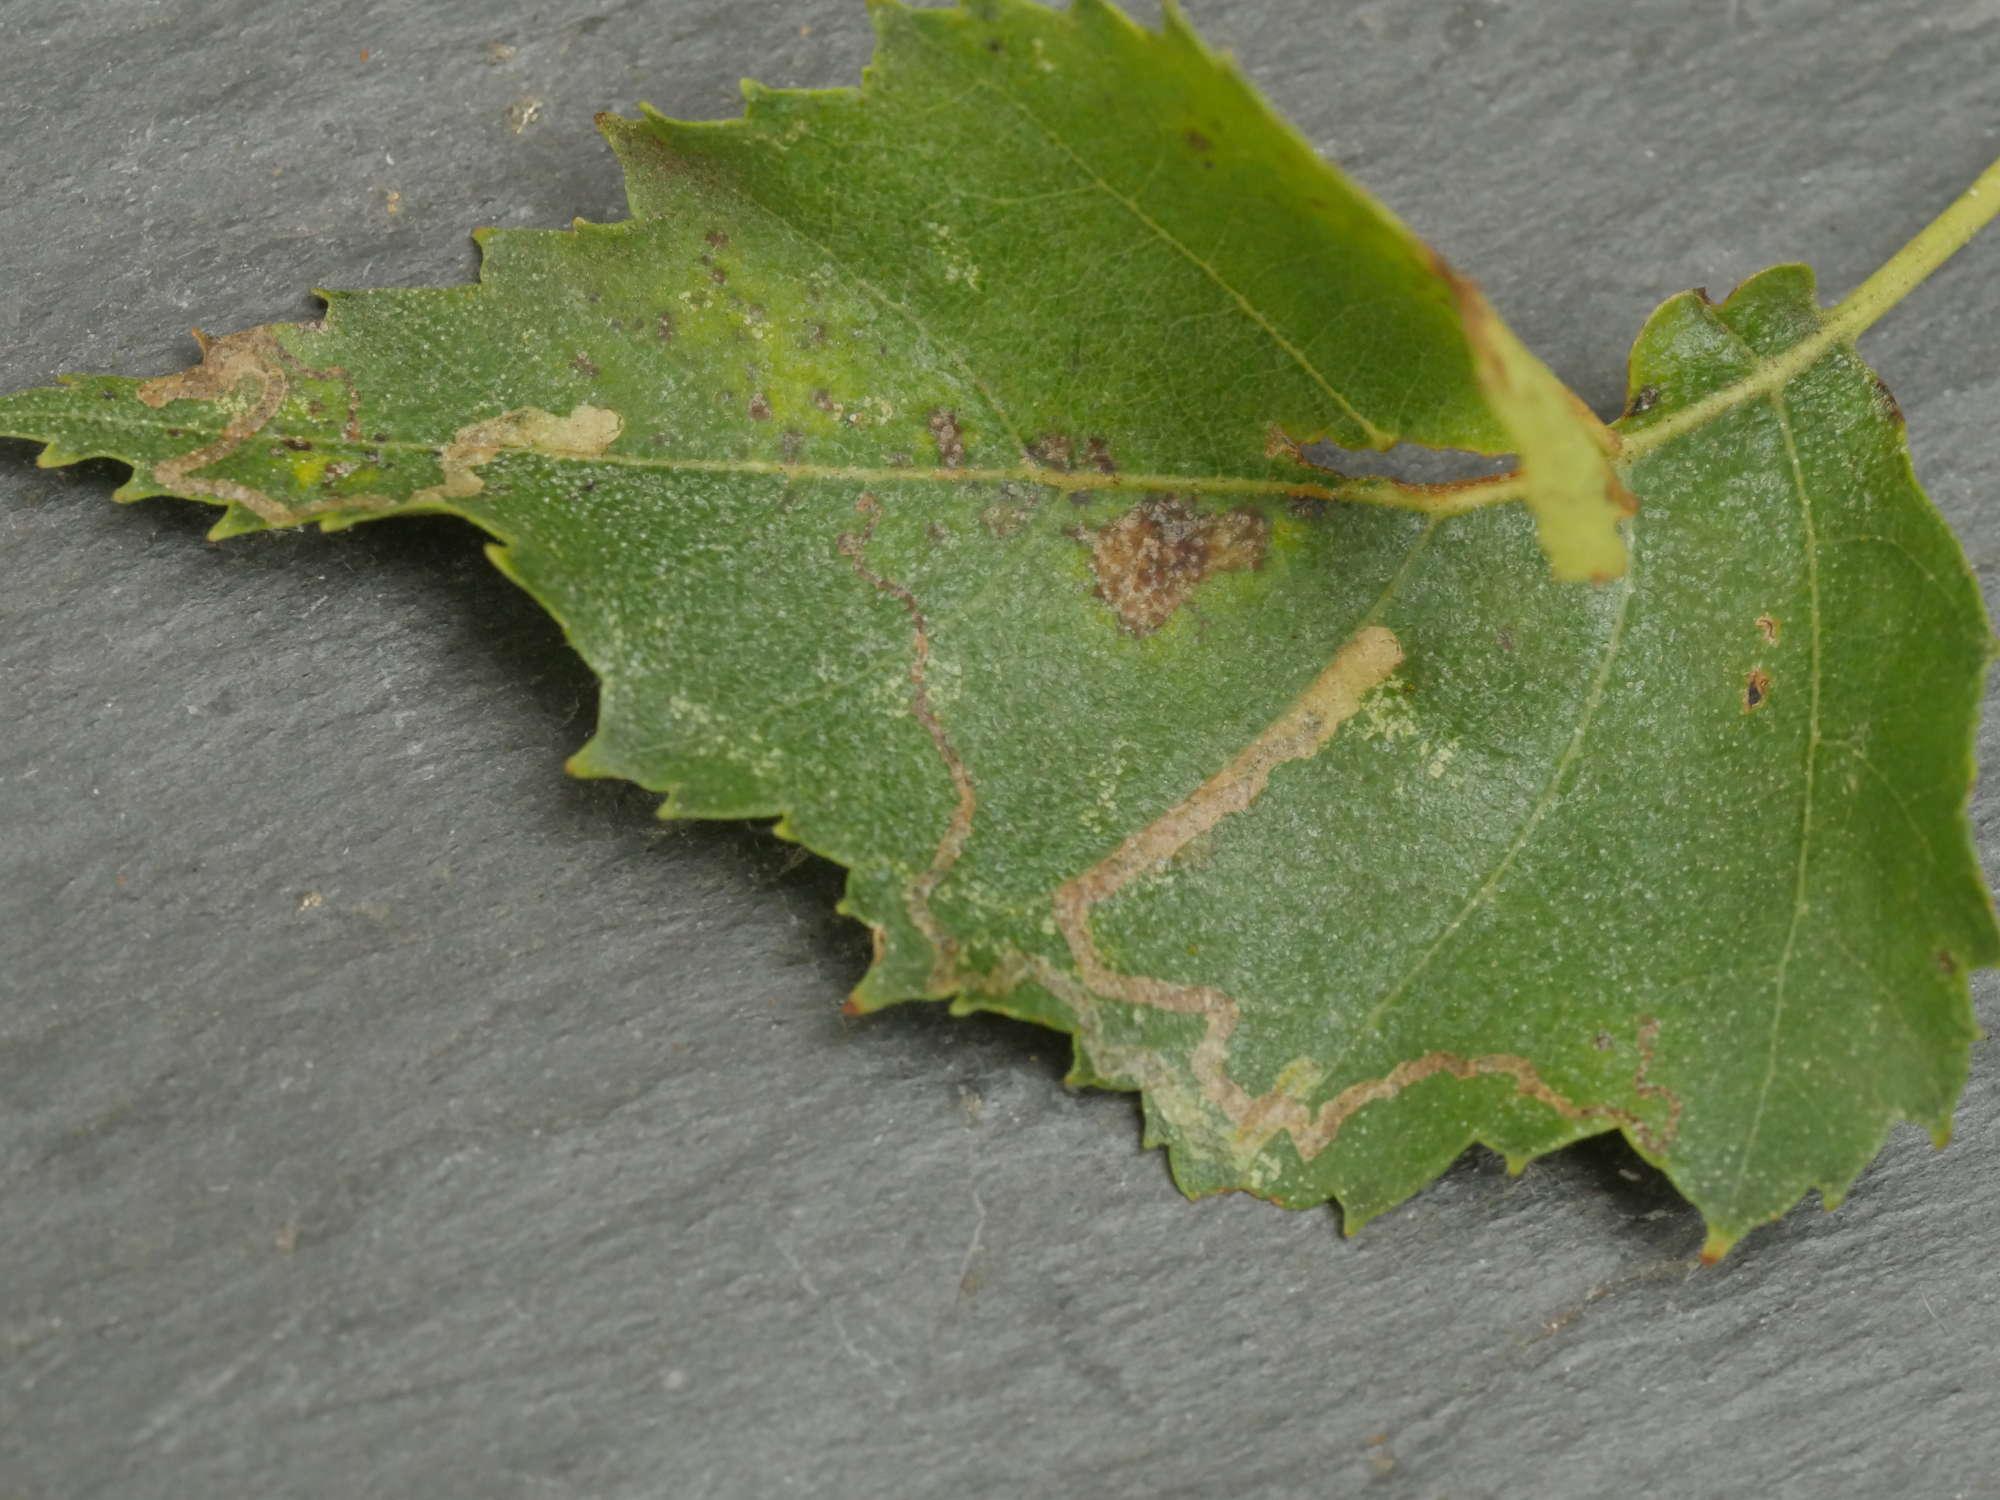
(1307, 507)
(1768, 628)
(760, 409)
(584, 365)
(715, 239)
(717, 275)
(822, 400)
(1198, 142)
(1150, 560)
(297, 444)
(1097, 453)
(950, 443)
(1053, 450)
(1947, 963)
(1756, 688)
(1644, 399)
(665, 328)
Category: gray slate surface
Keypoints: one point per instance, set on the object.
(383, 1115)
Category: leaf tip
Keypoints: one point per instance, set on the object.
(1565, 451)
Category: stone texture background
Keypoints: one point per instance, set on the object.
(382, 1114)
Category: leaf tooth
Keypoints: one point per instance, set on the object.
(586, 762)
(138, 487)
(1100, 13)
(1179, 31)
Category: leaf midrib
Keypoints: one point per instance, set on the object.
(1444, 501)
(1800, 904)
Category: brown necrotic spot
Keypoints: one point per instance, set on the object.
(822, 400)
(665, 328)
(1150, 560)
(950, 443)
(1756, 688)
(584, 365)
(1053, 450)
(760, 408)
(1890, 406)
(716, 239)
(1097, 453)
(1767, 627)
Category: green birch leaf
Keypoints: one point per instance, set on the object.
(921, 466)
(1005, 169)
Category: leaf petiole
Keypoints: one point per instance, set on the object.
(1936, 243)
(1901, 274)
